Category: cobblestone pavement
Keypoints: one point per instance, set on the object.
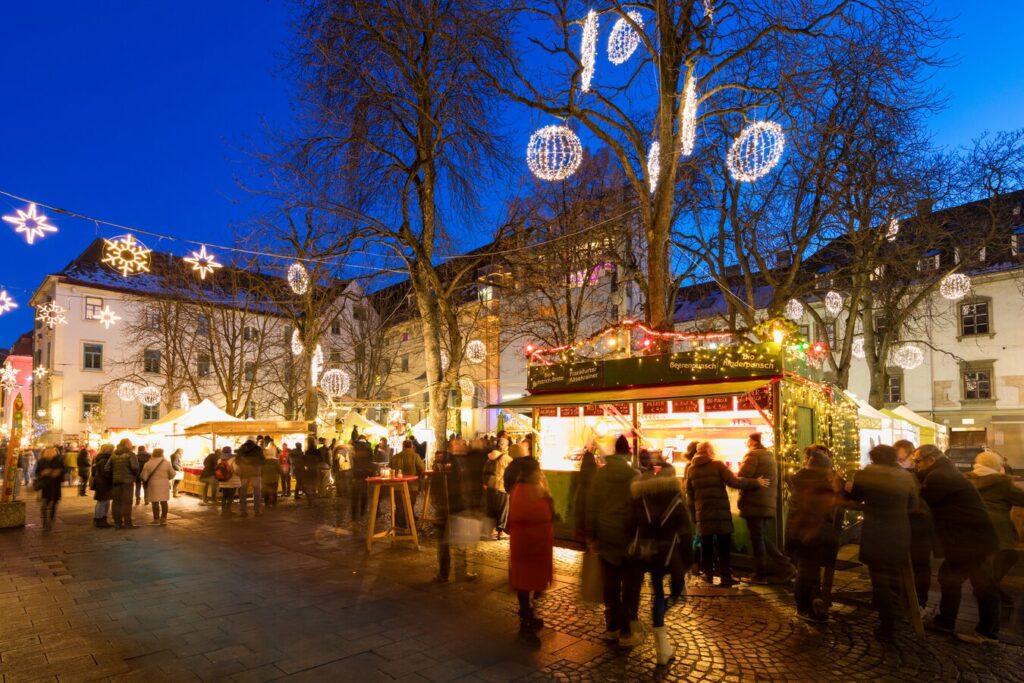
(294, 595)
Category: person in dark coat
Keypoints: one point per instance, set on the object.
(123, 467)
(475, 457)
(177, 467)
(531, 546)
(922, 534)
(706, 479)
(588, 466)
(50, 473)
(249, 460)
(757, 508)
(209, 479)
(102, 484)
(812, 540)
(362, 467)
(449, 487)
(610, 527)
(1000, 495)
(82, 463)
(968, 541)
(518, 468)
(142, 457)
(889, 494)
(270, 479)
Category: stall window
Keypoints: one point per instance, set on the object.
(151, 360)
(92, 356)
(90, 402)
(975, 318)
(150, 413)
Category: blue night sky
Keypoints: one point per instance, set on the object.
(142, 113)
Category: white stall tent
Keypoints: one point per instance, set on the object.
(875, 427)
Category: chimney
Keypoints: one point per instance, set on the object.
(924, 206)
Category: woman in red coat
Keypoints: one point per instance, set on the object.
(531, 533)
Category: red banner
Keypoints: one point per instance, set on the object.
(574, 411)
(717, 404)
(547, 411)
(655, 407)
(685, 405)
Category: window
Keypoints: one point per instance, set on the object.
(975, 318)
(977, 382)
(336, 357)
(359, 313)
(827, 332)
(250, 333)
(93, 306)
(203, 366)
(91, 403)
(203, 325)
(877, 273)
(152, 319)
(92, 356)
(150, 413)
(486, 294)
(928, 262)
(783, 259)
(151, 360)
(894, 389)
(250, 410)
(250, 371)
(39, 357)
(405, 362)
(336, 327)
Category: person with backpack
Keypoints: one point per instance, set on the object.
(228, 478)
(249, 463)
(157, 475)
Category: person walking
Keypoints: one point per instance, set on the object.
(706, 479)
(227, 476)
(531, 546)
(50, 473)
(588, 466)
(271, 476)
(449, 485)
(408, 462)
(323, 461)
(142, 457)
(515, 470)
(811, 539)
(209, 479)
(999, 495)
(969, 544)
(494, 484)
(342, 464)
(123, 467)
(662, 546)
(922, 532)
(889, 494)
(157, 475)
(362, 467)
(610, 526)
(286, 470)
(102, 484)
(179, 471)
(249, 464)
(83, 464)
(757, 508)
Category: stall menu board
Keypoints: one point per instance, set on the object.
(762, 398)
(573, 411)
(593, 410)
(718, 404)
(547, 411)
(685, 405)
(655, 407)
(597, 409)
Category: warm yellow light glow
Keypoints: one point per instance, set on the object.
(30, 223)
(202, 262)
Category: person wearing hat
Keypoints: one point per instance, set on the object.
(1000, 495)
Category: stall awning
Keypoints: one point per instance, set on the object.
(577, 398)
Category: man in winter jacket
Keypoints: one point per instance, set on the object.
(249, 461)
(757, 507)
(209, 478)
(124, 470)
(82, 462)
(408, 463)
(1000, 495)
(968, 541)
(142, 457)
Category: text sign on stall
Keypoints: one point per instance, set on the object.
(655, 407)
(573, 411)
(760, 398)
(547, 411)
(685, 405)
(718, 404)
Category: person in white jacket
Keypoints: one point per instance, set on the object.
(157, 475)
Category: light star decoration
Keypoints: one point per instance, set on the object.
(107, 317)
(9, 376)
(40, 372)
(31, 223)
(202, 262)
(51, 315)
(126, 254)
(6, 302)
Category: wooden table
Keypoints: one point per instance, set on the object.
(391, 484)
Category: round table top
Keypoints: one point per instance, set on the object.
(391, 480)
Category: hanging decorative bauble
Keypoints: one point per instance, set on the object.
(467, 387)
(335, 382)
(298, 278)
(794, 310)
(834, 303)
(297, 347)
(316, 364)
(653, 165)
(6, 302)
(955, 286)
(30, 223)
(906, 356)
(688, 124)
(107, 317)
(203, 263)
(756, 151)
(554, 153)
(51, 315)
(9, 376)
(126, 391)
(184, 402)
(623, 40)
(893, 230)
(40, 372)
(476, 352)
(588, 50)
(149, 396)
(126, 255)
(857, 348)
(444, 360)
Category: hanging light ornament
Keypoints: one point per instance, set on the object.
(335, 383)
(51, 315)
(184, 402)
(316, 364)
(623, 40)
(476, 352)
(588, 50)
(31, 223)
(444, 360)
(756, 151)
(906, 356)
(794, 310)
(466, 387)
(297, 347)
(6, 302)
(9, 376)
(653, 165)
(40, 372)
(107, 317)
(203, 263)
(127, 255)
(688, 125)
(149, 396)
(857, 348)
(126, 391)
(834, 303)
(298, 278)
(554, 153)
(955, 286)
(893, 230)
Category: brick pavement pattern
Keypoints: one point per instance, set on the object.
(293, 595)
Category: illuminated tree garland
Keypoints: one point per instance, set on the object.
(445, 360)
(588, 50)
(653, 165)
(893, 230)
(554, 153)
(709, 10)
(955, 286)
(834, 303)
(297, 347)
(30, 223)
(6, 302)
(476, 352)
(298, 278)
(316, 364)
(794, 310)
(623, 40)
(184, 402)
(688, 124)
(126, 255)
(51, 315)
(756, 151)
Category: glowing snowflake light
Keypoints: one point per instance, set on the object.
(335, 383)
(298, 278)
(554, 153)
(40, 372)
(184, 402)
(6, 302)
(297, 347)
(834, 303)
(688, 124)
(756, 151)
(31, 223)
(107, 317)
(653, 165)
(906, 356)
(794, 310)
(476, 352)
(588, 50)
(126, 255)
(9, 376)
(857, 348)
(623, 40)
(955, 286)
(893, 230)
(126, 391)
(202, 262)
(51, 315)
(149, 396)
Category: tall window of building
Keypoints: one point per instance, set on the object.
(335, 357)
(203, 366)
(152, 319)
(93, 306)
(203, 325)
(975, 318)
(977, 381)
(250, 333)
(336, 327)
(1016, 243)
(928, 262)
(405, 362)
(250, 410)
(359, 312)
(92, 356)
(151, 360)
(250, 371)
(894, 389)
(150, 413)
(91, 402)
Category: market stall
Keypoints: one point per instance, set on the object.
(875, 427)
(169, 431)
(930, 432)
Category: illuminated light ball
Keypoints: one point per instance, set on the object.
(149, 396)
(588, 50)
(756, 151)
(297, 347)
(476, 352)
(467, 387)
(857, 348)
(298, 278)
(907, 357)
(554, 153)
(893, 230)
(955, 286)
(794, 310)
(653, 165)
(834, 303)
(335, 382)
(623, 40)
(126, 391)
(445, 360)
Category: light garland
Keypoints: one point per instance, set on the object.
(445, 360)
(794, 310)
(107, 317)
(834, 303)
(6, 302)
(893, 230)
(466, 387)
(476, 352)
(126, 391)
(202, 262)
(623, 40)
(149, 396)
(316, 364)
(688, 124)
(9, 376)
(298, 278)
(955, 286)
(51, 315)
(297, 347)
(906, 356)
(126, 255)
(857, 348)
(30, 223)
(756, 151)
(184, 402)
(554, 153)
(653, 165)
(588, 50)
(335, 382)
(709, 10)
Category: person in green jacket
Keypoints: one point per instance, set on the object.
(1000, 495)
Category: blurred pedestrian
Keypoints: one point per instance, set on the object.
(271, 475)
(588, 465)
(50, 473)
(286, 470)
(362, 467)
(142, 457)
(209, 479)
(83, 464)
(408, 463)
(179, 471)
(531, 544)
(1000, 495)
(494, 485)
(123, 467)
(157, 475)
(249, 464)
(102, 483)
(227, 477)
(757, 508)
(449, 484)
(922, 532)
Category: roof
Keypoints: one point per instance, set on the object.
(656, 393)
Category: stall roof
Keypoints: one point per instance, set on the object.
(576, 398)
(246, 427)
(914, 418)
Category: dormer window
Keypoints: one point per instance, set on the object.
(928, 262)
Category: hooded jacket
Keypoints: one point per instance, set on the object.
(611, 519)
(759, 502)
(999, 494)
(664, 532)
(962, 524)
(249, 460)
(123, 466)
(706, 479)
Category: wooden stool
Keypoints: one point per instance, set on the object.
(391, 483)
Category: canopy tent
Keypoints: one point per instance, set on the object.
(278, 429)
(903, 428)
(517, 423)
(931, 432)
(875, 427)
(176, 421)
(363, 423)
